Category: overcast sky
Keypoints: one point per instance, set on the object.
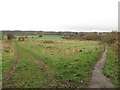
(59, 15)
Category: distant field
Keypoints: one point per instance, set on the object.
(45, 37)
(49, 61)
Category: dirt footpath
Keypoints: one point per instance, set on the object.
(98, 80)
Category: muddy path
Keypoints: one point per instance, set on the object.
(98, 80)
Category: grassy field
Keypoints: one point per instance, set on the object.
(111, 67)
(45, 37)
(49, 61)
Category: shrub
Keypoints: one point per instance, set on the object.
(40, 35)
(10, 36)
(91, 36)
(26, 37)
(109, 38)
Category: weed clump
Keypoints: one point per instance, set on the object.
(48, 41)
(26, 37)
(80, 50)
(96, 49)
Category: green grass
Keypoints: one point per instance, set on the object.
(8, 59)
(1, 70)
(49, 37)
(111, 67)
(44, 37)
(3, 37)
(27, 74)
(69, 62)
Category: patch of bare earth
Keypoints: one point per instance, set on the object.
(98, 80)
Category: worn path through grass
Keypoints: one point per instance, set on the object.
(98, 80)
(29, 72)
(44, 69)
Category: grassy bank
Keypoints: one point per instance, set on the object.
(111, 66)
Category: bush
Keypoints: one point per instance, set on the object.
(91, 36)
(10, 36)
(26, 37)
(109, 38)
(40, 35)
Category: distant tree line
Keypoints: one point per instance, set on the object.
(23, 33)
(105, 37)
